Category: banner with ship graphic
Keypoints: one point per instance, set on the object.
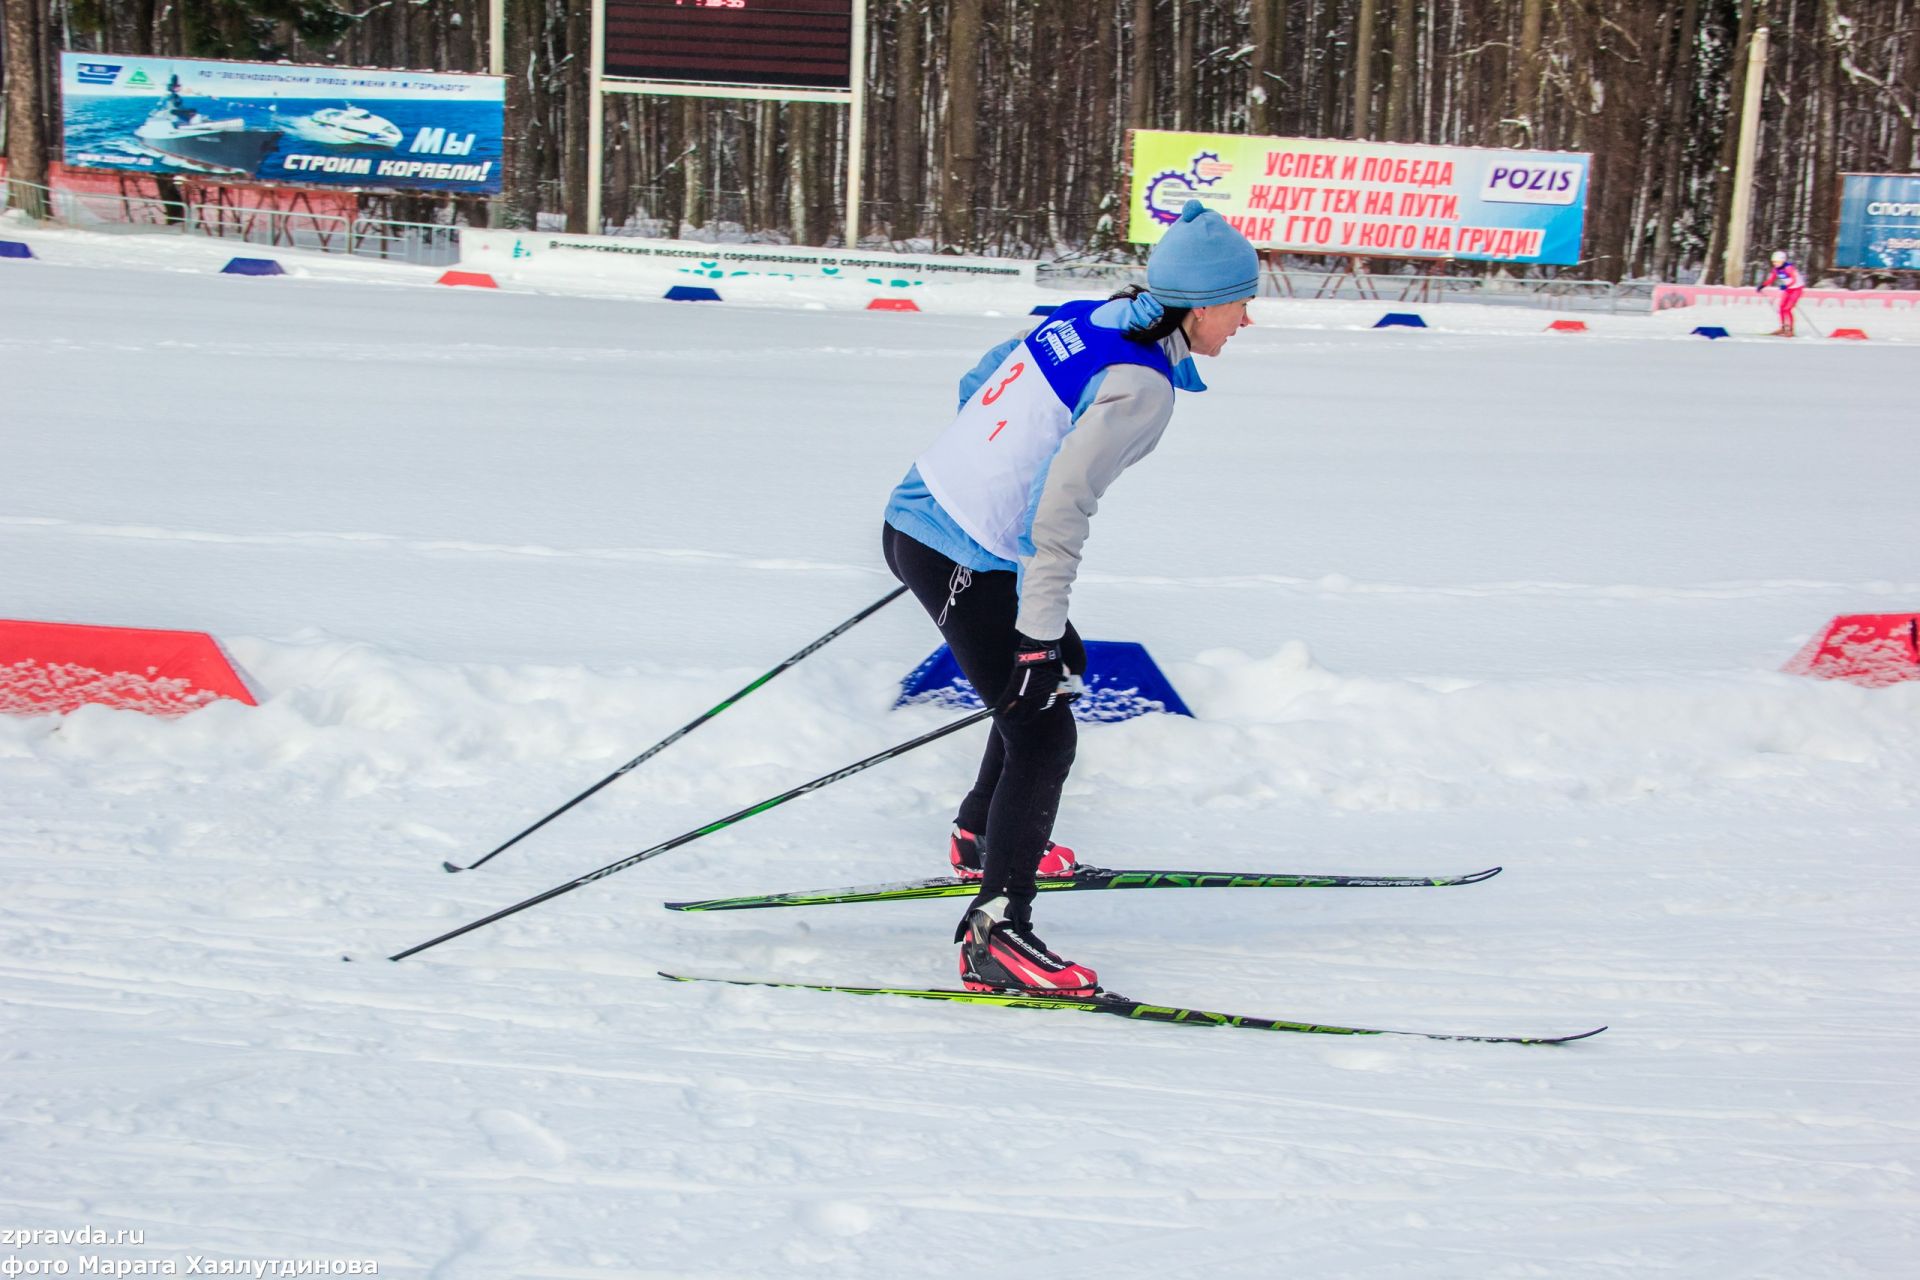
(269, 122)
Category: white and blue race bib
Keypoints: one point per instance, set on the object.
(987, 467)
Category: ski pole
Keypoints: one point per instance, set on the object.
(658, 849)
(691, 725)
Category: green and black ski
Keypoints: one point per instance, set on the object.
(1121, 1007)
(1082, 879)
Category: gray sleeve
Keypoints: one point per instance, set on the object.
(1122, 425)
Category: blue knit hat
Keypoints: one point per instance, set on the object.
(1202, 261)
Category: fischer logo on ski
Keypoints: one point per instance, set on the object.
(1083, 879)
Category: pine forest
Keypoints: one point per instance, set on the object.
(1001, 126)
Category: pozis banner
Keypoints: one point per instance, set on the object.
(1316, 195)
(317, 126)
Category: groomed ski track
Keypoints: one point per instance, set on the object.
(1496, 596)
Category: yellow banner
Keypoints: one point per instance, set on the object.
(1378, 199)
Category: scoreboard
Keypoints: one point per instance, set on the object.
(794, 44)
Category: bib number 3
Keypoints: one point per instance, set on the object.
(994, 393)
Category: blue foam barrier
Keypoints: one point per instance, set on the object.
(692, 293)
(1400, 320)
(1710, 331)
(253, 267)
(1045, 309)
(1122, 680)
(14, 249)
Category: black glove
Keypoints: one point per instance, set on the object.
(1760, 288)
(1039, 669)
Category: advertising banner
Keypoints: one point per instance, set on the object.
(608, 257)
(1879, 221)
(1381, 199)
(267, 122)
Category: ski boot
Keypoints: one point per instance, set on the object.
(1001, 953)
(963, 851)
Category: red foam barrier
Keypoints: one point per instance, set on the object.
(50, 667)
(1567, 326)
(1871, 649)
(892, 304)
(472, 279)
(1858, 335)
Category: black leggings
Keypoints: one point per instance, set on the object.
(1017, 793)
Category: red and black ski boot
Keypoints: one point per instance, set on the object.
(1002, 954)
(963, 851)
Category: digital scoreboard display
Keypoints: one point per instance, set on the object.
(795, 44)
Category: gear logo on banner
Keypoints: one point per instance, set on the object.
(1167, 192)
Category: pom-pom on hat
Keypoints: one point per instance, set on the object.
(1202, 261)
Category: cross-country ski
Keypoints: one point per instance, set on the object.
(1108, 1002)
(1084, 879)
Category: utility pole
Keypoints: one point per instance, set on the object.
(1734, 271)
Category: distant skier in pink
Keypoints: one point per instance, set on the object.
(1791, 284)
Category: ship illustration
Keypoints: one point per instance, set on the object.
(178, 132)
(349, 126)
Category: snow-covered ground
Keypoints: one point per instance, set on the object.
(1441, 600)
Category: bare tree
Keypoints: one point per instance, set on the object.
(1268, 38)
(1363, 71)
(579, 94)
(963, 123)
(1141, 112)
(26, 122)
(801, 162)
(1184, 17)
(1400, 87)
(909, 117)
(1526, 67)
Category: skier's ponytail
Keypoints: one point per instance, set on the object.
(1171, 319)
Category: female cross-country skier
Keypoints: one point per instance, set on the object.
(987, 529)
(1792, 284)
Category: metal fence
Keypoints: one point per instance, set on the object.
(421, 244)
(1362, 286)
(433, 245)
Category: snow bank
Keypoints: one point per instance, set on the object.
(1276, 731)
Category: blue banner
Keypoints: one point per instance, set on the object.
(1879, 221)
(271, 123)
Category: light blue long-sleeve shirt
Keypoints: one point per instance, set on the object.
(1117, 420)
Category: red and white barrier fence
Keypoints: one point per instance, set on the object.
(1666, 297)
